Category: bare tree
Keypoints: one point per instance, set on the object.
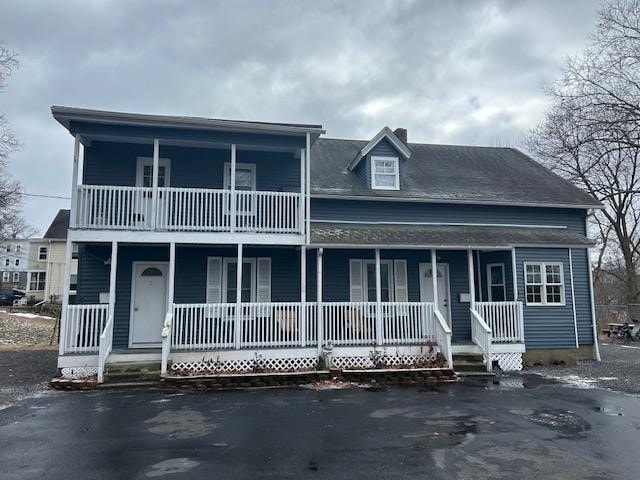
(12, 223)
(591, 133)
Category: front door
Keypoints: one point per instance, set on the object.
(144, 178)
(426, 288)
(148, 304)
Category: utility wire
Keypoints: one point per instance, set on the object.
(44, 196)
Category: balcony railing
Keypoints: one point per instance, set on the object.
(187, 210)
(505, 320)
(84, 325)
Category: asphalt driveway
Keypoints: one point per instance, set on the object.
(456, 431)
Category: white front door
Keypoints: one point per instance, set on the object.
(144, 178)
(148, 304)
(426, 288)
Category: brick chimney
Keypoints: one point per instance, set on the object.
(401, 133)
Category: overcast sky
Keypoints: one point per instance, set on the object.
(468, 72)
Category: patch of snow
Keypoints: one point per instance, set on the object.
(575, 380)
(605, 379)
(26, 315)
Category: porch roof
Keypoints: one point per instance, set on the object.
(477, 236)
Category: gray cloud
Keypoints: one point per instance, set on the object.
(451, 72)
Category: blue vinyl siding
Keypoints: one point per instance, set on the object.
(396, 211)
(108, 163)
(546, 327)
(582, 292)
(502, 256)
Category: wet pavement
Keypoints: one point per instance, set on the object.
(522, 427)
(24, 373)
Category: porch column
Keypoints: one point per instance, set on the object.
(303, 192)
(514, 274)
(65, 297)
(232, 200)
(434, 277)
(156, 169)
(74, 182)
(308, 187)
(472, 293)
(378, 300)
(320, 314)
(172, 276)
(238, 322)
(112, 277)
(303, 296)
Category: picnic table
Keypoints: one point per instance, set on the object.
(613, 328)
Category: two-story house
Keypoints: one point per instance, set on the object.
(14, 261)
(216, 245)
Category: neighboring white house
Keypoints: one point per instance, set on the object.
(46, 262)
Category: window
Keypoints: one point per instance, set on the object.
(255, 283)
(18, 248)
(8, 248)
(496, 283)
(7, 262)
(37, 280)
(5, 276)
(385, 281)
(17, 262)
(544, 283)
(144, 174)
(393, 280)
(16, 277)
(247, 284)
(42, 253)
(73, 282)
(245, 176)
(385, 173)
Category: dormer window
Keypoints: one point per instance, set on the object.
(385, 173)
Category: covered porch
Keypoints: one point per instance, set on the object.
(354, 308)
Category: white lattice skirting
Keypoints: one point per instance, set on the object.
(78, 372)
(384, 361)
(509, 362)
(250, 365)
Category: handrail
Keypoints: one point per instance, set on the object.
(481, 336)
(166, 340)
(504, 319)
(104, 348)
(443, 337)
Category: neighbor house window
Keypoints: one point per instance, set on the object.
(16, 277)
(8, 248)
(37, 280)
(5, 276)
(385, 173)
(42, 253)
(7, 262)
(18, 248)
(495, 282)
(17, 262)
(544, 283)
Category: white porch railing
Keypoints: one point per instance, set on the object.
(443, 336)
(481, 336)
(187, 209)
(406, 323)
(213, 326)
(166, 341)
(505, 320)
(84, 325)
(349, 323)
(114, 208)
(105, 346)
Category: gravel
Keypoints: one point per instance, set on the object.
(619, 369)
(24, 373)
(25, 329)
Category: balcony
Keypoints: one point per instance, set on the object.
(106, 207)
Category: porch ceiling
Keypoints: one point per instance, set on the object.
(453, 236)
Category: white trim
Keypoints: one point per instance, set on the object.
(112, 279)
(396, 173)
(514, 274)
(225, 272)
(543, 285)
(365, 281)
(226, 183)
(320, 321)
(74, 181)
(141, 161)
(133, 299)
(31, 272)
(472, 283)
(46, 253)
(449, 224)
(439, 246)
(5, 274)
(453, 201)
(573, 300)
(387, 133)
(66, 284)
(490, 284)
(16, 274)
(446, 273)
(308, 189)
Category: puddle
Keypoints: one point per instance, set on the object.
(180, 424)
(566, 422)
(171, 467)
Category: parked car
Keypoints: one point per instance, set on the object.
(8, 297)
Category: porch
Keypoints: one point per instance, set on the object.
(370, 307)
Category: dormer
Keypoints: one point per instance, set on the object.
(379, 162)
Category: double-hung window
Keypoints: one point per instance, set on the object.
(544, 283)
(37, 281)
(245, 182)
(385, 173)
(42, 253)
(16, 277)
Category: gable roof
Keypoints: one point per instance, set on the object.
(387, 133)
(59, 227)
(448, 174)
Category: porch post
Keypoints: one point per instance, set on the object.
(378, 300)
(320, 314)
(472, 293)
(172, 276)
(238, 324)
(303, 295)
(308, 187)
(74, 182)
(232, 180)
(479, 285)
(514, 274)
(156, 169)
(303, 192)
(112, 277)
(434, 277)
(65, 296)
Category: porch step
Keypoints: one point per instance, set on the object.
(469, 364)
(132, 373)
